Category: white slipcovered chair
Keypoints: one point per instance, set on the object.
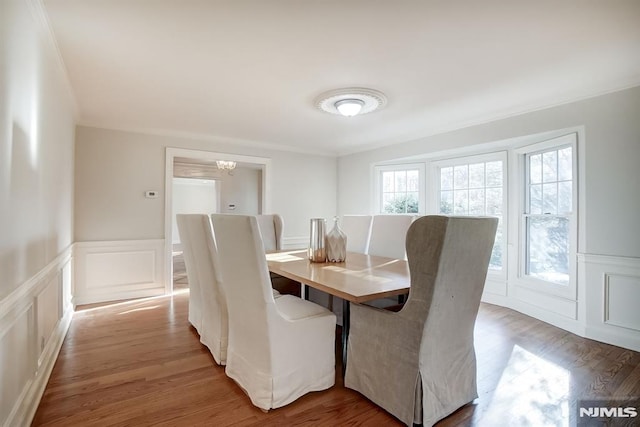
(357, 228)
(419, 363)
(387, 239)
(271, 227)
(195, 296)
(388, 235)
(279, 349)
(208, 299)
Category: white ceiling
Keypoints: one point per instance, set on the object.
(249, 70)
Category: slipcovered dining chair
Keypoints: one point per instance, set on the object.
(271, 227)
(357, 228)
(213, 307)
(387, 239)
(388, 235)
(195, 297)
(426, 348)
(279, 349)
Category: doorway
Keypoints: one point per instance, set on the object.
(243, 190)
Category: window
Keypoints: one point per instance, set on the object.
(400, 189)
(475, 186)
(548, 212)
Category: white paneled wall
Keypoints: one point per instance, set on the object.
(33, 323)
(611, 287)
(116, 270)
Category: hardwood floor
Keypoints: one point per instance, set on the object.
(140, 363)
(179, 272)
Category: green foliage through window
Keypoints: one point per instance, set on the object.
(405, 203)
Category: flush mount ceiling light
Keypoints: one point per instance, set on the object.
(351, 101)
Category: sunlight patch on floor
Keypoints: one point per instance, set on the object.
(532, 392)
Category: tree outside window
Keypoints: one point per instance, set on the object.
(475, 189)
(400, 191)
(547, 216)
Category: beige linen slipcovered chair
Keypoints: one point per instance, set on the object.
(197, 238)
(279, 349)
(387, 235)
(426, 348)
(357, 228)
(195, 297)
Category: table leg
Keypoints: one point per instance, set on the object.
(346, 314)
(304, 289)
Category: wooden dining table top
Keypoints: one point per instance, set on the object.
(360, 278)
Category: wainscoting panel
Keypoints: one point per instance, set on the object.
(18, 359)
(48, 305)
(296, 242)
(116, 270)
(612, 295)
(493, 288)
(551, 303)
(622, 300)
(33, 323)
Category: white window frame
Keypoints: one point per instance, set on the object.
(434, 193)
(530, 282)
(376, 208)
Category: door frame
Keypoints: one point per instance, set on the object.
(208, 156)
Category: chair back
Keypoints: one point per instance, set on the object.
(270, 227)
(388, 233)
(448, 261)
(246, 286)
(357, 228)
(195, 296)
(214, 314)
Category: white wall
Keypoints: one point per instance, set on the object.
(612, 132)
(242, 190)
(609, 244)
(115, 168)
(192, 196)
(36, 207)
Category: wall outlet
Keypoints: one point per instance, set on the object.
(151, 194)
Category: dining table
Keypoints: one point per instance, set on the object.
(360, 278)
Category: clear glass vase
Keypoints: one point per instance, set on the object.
(336, 243)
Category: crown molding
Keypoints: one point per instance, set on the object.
(169, 133)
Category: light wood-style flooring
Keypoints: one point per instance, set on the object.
(180, 280)
(140, 363)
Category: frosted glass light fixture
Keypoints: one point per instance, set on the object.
(349, 107)
(351, 102)
(226, 164)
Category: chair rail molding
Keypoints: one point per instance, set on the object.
(34, 320)
(116, 270)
